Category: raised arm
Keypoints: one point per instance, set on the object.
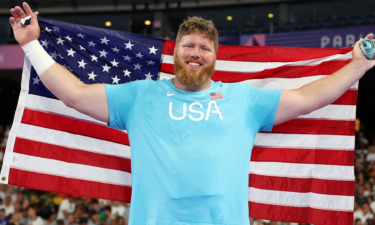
(88, 99)
(322, 92)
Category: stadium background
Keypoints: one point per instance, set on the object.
(321, 24)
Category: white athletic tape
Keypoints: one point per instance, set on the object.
(38, 57)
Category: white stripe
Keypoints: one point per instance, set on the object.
(71, 170)
(300, 170)
(74, 141)
(253, 67)
(57, 107)
(167, 76)
(333, 112)
(335, 142)
(313, 200)
(17, 120)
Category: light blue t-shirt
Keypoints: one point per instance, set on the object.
(190, 154)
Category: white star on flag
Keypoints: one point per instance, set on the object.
(45, 43)
(94, 58)
(57, 29)
(127, 58)
(150, 62)
(138, 66)
(53, 55)
(129, 45)
(71, 52)
(82, 48)
(115, 49)
(48, 30)
(103, 53)
(148, 76)
(69, 38)
(106, 68)
(104, 40)
(81, 36)
(92, 75)
(115, 80)
(81, 64)
(60, 41)
(127, 73)
(114, 63)
(139, 55)
(153, 50)
(91, 43)
(36, 80)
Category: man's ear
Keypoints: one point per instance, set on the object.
(175, 49)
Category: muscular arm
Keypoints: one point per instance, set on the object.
(88, 99)
(322, 92)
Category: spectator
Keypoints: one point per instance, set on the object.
(66, 208)
(94, 218)
(94, 206)
(51, 220)
(3, 220)
(104, 217)
(12, 193)
(33, 218)
(8, 206)
(367, 213)
(15, 219)
(360, 198)
(118, 209)
(70, 219)
(24, 218)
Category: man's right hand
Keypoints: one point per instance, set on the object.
(24, 34)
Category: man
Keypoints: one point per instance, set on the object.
(66, 207)
(191, 137)
(33, 218)
(3, 219)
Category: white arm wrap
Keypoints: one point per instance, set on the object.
(38, 57)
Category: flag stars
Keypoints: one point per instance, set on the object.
(69, 38)
(153, 50)
(106, 68)
(137, 66)
(104, 40)
(92, 75)
(139, 55)
(81, 36)
(57, 29)
(148, 76)
(82, 64)
(129, 45)
(115, 49)
(127, 58)
(71, 52)
(36, 80)
(150, 62)
(48, 30)
(60, 41)
(67, 67)
(45, 43)
(91, 43)
(115, 80)
(54, 55)
(114, 63)
(94, 58)
(127, 73)
(82, 48)
(103, 53)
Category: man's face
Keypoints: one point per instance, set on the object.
(194, 59)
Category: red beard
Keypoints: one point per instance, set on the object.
(192, 77)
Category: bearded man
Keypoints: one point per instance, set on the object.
(191, 137)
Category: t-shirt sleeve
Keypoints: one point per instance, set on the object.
(263, 104)
(120, 98)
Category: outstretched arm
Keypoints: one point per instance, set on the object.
(322, 92)
(88, 99)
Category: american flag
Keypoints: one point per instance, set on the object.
(300, 172)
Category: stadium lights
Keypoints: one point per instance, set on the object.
(229, 18)
(270, 15)
(147, 22)
(108, 23)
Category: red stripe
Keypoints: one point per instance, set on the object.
(266, 53)
(300, 214)
(49, 151)
(308, 156)
(73, 126)
(348, 98)
(325, 68)
(53, 183)
(302, 185)
(328, 127)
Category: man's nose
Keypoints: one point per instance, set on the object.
(195, 53)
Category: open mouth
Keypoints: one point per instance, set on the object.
(194, 65)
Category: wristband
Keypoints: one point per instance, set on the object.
(38, 57)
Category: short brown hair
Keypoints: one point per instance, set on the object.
(198, 25)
